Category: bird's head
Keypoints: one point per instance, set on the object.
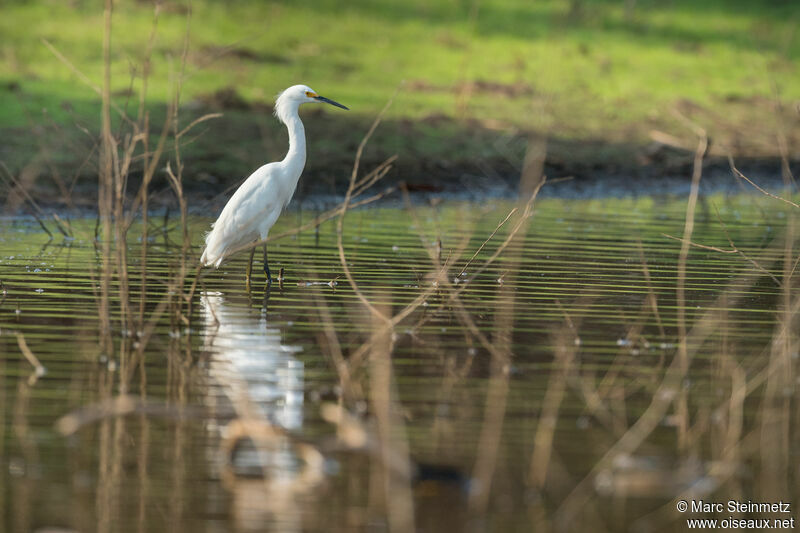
(290, 99)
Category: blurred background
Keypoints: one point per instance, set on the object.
(608, 83)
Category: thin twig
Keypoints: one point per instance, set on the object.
(195, 122)
(751, 182)
(698, 245)
(83, 77)
(38, 369)
(500, 225)
(345, 204)
(18, 186)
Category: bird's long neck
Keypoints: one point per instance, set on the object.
(296, 157)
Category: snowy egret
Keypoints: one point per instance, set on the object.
(256, 205)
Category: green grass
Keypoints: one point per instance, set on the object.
(593, 72)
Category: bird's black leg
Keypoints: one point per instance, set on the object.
(265, 301)
(249, 268)
(266, 267)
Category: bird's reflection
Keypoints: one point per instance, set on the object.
(256, 371)
(257, 376)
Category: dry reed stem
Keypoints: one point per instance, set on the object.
(736, 447)
(105, 177)
(501, 349)
(497, 393)
(780, 134)
(718, 473)
(737, 397)
(494, 413)
(176, 183)
(38, 369)
(596, 401)
(733, 250)
(117, 156)
(608, 388)
(500, 225)
(195, 122)
(443, 282)
(351, 433)
(116, 406)
(100, 91)
(651, 294)
(776, 406)
(465, 88)
(357, 357)
(688, 228)
(142, 462)
(332, 347)
(37, 212)
(669, 140)
(374, 176)
(702, 246)
(392, 439)
(147, 329)
(551, 404)
(759, 189)
(345, 204)
(28, 445)
(584, 382)
(661, 400)
(63, 225)
(527, 212)
(744, 255)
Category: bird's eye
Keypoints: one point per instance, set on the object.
(311, 94)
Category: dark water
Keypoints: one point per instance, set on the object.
(550, 393)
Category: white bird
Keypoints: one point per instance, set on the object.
(256, 205)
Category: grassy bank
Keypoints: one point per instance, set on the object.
(597, 78)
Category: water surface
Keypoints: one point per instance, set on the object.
(511, 407)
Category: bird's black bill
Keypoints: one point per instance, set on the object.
(329, 101)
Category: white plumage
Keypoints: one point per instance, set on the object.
(251, 211)
(257, 204)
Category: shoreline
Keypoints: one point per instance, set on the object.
(461, 161)
(717, 178)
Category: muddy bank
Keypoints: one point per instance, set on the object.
(436, 157)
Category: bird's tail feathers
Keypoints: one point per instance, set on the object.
(215, 249)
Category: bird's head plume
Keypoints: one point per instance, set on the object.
(288, 101)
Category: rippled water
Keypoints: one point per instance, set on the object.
(549, 394)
